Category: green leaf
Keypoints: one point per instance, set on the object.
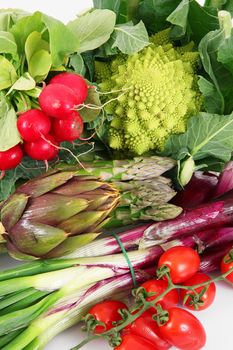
(225, 53)
(24, 83)
(89, 61)
(9, 17)
(130, 39)
(154, 13)
(192, 19)
(8, 73)
(207, 135)
(24, 27)
(211, 96)
(93, 29)
(40, 64)
(9, 136)
(77, 63)
(7, 43)
(220, 76)
(108, 4)
(33, 44)
(62, 41)
(179, 16)
(89, 114)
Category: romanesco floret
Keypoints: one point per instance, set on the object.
(159, 93)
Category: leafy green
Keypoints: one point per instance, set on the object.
(40, 64)
(215, 52)
(154, 13)
(9, 135)
(93, 28)
(78, 64)
(207, 136)
(129, 38)
(225, 53)
(125, 10)
(192, 19)
(24, 83)
(90, 114)
(61, 40)
(8, 73)
(24, 27)
(7, 43)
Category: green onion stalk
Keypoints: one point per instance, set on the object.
(26, 296)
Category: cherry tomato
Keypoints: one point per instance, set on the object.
(183, 330)
(107, 312)
(133, 342)
(144, 326)
(227, 265)
(159, 286)
(183, 263)
(207, 298)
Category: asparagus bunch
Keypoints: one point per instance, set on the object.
(67, 208)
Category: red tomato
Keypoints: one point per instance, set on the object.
(183, 330)
(227, 265)
(107, 312)
(159, 286)
(208, 296)
(133, 342)
(183, 262)
(144, 326)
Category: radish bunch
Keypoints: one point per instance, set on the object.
(57, 121)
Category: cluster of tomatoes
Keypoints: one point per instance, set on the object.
(181, 328)
(58, 120)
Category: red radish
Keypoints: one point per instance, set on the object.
(57, 100)
(42, 149)
(10, 159)
(74, 82)
(68, 129)
(32, 124)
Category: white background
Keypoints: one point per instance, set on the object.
(218, 319)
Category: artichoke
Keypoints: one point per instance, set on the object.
(54, 214)
(47, 211)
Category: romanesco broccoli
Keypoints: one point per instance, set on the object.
(160, 93)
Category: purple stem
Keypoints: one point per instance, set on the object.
(210, 261)
(205, 217)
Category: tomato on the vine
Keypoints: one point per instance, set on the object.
(183, 263)
(158, 287)
(183, 330)
(134, 342)
(227, 265)
(107, 312)
(144, 326)
(206, 299)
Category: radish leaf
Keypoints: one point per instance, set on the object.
(93, 29)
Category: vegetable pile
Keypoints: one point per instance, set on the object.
(116, 171)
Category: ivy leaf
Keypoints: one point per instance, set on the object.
(8, 73)
(93, 28)
(9, 136)
(129, 38)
